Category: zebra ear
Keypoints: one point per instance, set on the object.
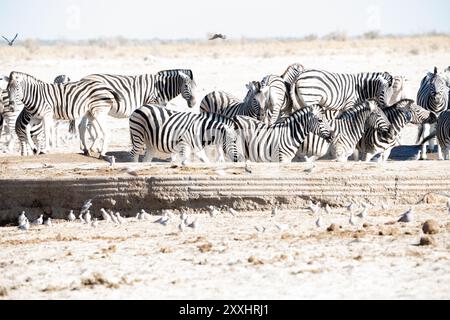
(6, 78)
(435, 70)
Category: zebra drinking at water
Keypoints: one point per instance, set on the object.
(433, 95)
(161, 130)
(336, 91)
(280, 141)
(348, 129)
(399, 115)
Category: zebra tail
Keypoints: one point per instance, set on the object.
(431, 136)
(72, 127)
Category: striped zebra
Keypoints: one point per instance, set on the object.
(348, 129)
(278, 102)
(399, 115)
(9, 116)
(160, 130)
(433, 95)
(26, 125)
(135, 91)
(280, 141)
(223, 103)
(291, 74)
(69, 101)
(443, 134)
(336, 91)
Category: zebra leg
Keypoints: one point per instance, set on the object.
(440, 156)
(100, 126)
(49, 132)
(202, 156)
(386, 154)
(82, 130)
(447, 153)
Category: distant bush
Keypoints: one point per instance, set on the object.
(414, 51)
(336, 36)
(371, 35)
(31, 45)
(310, 37)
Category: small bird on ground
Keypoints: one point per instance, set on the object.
(48, 222)
(363, 214)
(71, 217)
(384, 206)
(105, 215)
(114, 218)
(448, 204)
(182, 226)
(352, 220)
(168, 213)
(260, 229)
(39, 220)
(112, 161)
(274, 211)
(25, 225)
(87, 217)
(183, 216)
(144, 215)
(81, 218)
(10, 42)
(22, 217)
(351, 207)
(217, 36)
(328, 209)
(319, 222)
(194, 224)
(281, 226)
(213, 212)
(120, 219)
(233, 212)
(310, 169)
(94, 223)
(163, 220)
(314, 208)
(407, 216)
(417, 156)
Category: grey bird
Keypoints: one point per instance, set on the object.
(10, 42)
(71, 217)
(213, 212)
(217, 36)
(144, 215)
(183, 216)
(182, 226)
(194, 224)
(352, 220)
(39, 220)
(384, 206)
(81, 218)
(25, 225)
(247, 167)
(87, 217)
(274, 211)
(168, 213)
(86, 206)
(314, 208)
(48, 222)
(114, 218)
(407, 216)
(319, 222)
(105, 215)
(448, 204)
(310, 169)
(260, 229)
(233, 212)
(328, 209)
(22, 218)
(120, 219)
(363, 214)
(281, 226)
(163, 220)
(417, 156)
(112, 161)
(94, 223)
(351, 207)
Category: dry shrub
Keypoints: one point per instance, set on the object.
(371, 35)
(414, 51)
(310, 37)
(31, 45)
(336, 36)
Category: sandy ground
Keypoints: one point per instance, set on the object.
(226, 258)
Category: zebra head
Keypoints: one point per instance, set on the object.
(229, 145)
(188, 89)
(438, 88)
(255, 99)
(61, 79)
(418, 114)
(16, 87)
(319, 124)
(378, 120)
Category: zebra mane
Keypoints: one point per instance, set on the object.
(402, 103)
(25, 75)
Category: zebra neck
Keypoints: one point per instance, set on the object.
(168, 86)
(368, 86)
(299, 125)
(351, 125)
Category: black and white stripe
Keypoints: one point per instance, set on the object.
(291, 74)
(399, 114)
(69, 101)
(443, 134)
(278, 102)
(223, 103)
(160, 130)
(348, 129)
(280, 141)
(336, 91)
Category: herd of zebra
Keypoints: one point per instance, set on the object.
(305, 113)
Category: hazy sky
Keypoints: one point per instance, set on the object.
(175, 19)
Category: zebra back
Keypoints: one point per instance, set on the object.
(277, 98)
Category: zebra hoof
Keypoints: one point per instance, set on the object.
(86, 152)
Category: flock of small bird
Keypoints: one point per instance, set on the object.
(109, 216)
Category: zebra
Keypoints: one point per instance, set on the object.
(280, 141)
(278, 101)
(336, 91)
(135, 91)
(442, 133)
(67, 101)
(348, 129)
(433, 95)
(291, 74)
(223, 103)
(37, 130)
(399, 114)
(161, 130)
(9, 115)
